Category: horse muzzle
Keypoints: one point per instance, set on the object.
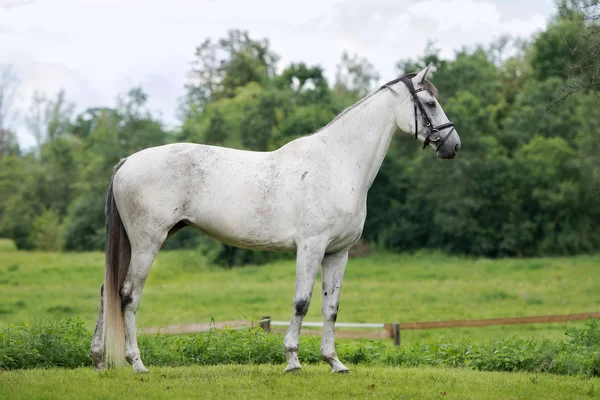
(448, 151)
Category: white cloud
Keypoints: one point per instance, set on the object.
(96, 49)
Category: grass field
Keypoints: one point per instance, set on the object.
(314, 382)
(182, 288)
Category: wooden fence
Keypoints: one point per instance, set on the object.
(377, 330)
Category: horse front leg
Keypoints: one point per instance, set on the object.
(308, 258)
(332, 274)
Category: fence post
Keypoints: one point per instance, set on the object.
(388, 328)
(265, 323)
(396, 333)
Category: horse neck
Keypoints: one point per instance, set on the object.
(362, 134)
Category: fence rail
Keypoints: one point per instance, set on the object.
(385, 330)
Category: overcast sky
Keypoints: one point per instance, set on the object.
(95, 49)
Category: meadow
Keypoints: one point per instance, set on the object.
(314, 382)
(183, 288)
(49, 303)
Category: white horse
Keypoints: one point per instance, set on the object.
(309, 196)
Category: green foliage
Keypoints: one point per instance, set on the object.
(355, 77)
(12, 173)
(45, 344)
(65, 344)
(22, 208)
(46, 232)
(552, 51)
(525, 183)
(219, 253)
(84, 224)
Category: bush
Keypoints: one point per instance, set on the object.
(84, 224)
(66, 344)
(46, 233)
(45, 344)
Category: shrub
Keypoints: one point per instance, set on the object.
(46, 234)
(66, 344)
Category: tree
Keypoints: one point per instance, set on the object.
(85, 122)
(48, 118)
(572, 43)
(530, 117)
(84, 222)
(23, 204)
(9, 84)
(109, 134)
(549, 195)
(12, 175)
(355, 77)
(138, 129)
(217, 130)
(430, 55)
(308, 84)
(220, 68)
(8, 143)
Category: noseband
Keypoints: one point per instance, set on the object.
(432, 129)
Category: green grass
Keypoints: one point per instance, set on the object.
(66, 343)
(314, 382)
(182, 288)
(7, 245)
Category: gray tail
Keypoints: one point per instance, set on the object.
(118, 255)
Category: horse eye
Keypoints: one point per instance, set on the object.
(431, 104)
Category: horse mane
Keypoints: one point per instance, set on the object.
(428, 86)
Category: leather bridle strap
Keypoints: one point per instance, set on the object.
(417, 103)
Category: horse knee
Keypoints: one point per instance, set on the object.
(301, 306)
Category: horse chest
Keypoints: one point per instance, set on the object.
(347, 227)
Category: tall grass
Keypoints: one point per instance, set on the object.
(66, 343)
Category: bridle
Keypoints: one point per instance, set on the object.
(432, 129)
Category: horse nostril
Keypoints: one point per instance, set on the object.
(456, 147)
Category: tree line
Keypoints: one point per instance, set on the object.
(526, 181)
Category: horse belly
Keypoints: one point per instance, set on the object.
(245, 230)
(240, 214)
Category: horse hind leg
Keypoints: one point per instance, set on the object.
(97, 347)
(131, 296)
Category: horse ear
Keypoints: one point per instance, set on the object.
(421, 76)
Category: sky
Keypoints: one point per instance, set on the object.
(97, 49)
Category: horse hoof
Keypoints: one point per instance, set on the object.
(292, 369)
(139, 369)
(341, 371)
